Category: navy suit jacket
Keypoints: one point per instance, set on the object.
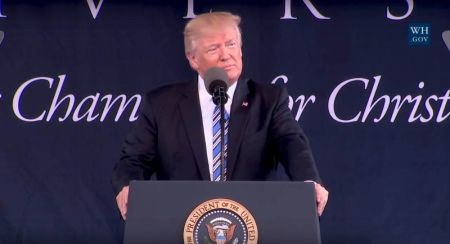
(168, 138)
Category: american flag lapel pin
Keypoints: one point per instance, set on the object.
(244, 104)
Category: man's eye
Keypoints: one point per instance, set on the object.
(231, 44)
(212, 50)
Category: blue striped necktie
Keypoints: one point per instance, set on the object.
(217, 144)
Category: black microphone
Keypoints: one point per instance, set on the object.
(216, 83)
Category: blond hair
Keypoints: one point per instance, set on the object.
(206, 23)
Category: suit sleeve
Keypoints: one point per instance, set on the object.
(139, 153)
(291, 144)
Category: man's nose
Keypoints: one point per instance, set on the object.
(224, 53)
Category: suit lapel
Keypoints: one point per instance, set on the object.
(192, 118)
(238, 123)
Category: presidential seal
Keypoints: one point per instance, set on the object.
(220, 221)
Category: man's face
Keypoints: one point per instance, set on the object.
(219, 49)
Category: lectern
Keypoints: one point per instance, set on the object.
(221, 212)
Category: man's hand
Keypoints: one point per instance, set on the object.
(322, 198)
(122, 201)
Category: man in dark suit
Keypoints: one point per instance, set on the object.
(174, 136)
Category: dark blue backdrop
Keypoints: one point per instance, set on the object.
(388, 179)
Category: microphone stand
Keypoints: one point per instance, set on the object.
(221, 97)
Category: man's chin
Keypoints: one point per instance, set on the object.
(233, 76)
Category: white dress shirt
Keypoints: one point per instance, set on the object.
(207, 106)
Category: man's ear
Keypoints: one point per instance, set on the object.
(192, 60)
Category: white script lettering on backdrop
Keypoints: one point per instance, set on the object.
(420, 108)
(394, 105)
(94, 106)
(300, 102)
(97, 107)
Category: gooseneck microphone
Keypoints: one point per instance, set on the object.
(216, 83)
